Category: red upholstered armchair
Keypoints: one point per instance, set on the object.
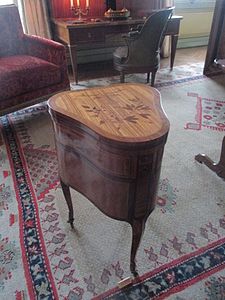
(31, 68)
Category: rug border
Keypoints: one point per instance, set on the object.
(166, 267)
(26, 268)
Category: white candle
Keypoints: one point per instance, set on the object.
(71, 3)
(78, 3)
(87, 3)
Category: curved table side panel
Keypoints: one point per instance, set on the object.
(149, 168)
(107, 193)
(108, 177)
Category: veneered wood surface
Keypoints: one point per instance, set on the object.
(127, 112)
(110, 143)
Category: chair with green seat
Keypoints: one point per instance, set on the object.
(142, 52)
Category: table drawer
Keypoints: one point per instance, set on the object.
(86, 35)
(107, 160)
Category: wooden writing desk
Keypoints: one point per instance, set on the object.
(110, 143)
(103, 34)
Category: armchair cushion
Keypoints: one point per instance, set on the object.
(32, 68)
(20, 74)
(120, 55)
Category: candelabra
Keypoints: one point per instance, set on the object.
(78, 11)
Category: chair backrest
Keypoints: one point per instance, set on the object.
(145, 48)
(11, 31)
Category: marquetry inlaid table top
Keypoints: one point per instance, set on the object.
(123, 112)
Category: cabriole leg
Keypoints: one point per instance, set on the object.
(138, 227)
(67, 195)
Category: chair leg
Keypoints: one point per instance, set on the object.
(153, 78)
(122, 77)
(148, 76)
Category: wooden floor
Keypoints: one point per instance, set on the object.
(105, 69)
(186, 56)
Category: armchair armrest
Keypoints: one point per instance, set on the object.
(137, 28)
(130, 36)
(45, 49)
(133, 34)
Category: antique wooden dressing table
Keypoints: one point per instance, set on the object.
(110, 143)
(103, 34)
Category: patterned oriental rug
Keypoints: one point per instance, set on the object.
(182, 253)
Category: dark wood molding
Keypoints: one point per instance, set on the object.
(216, 45)
(218, 168)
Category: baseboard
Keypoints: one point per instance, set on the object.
(193, 42)
(193, 5)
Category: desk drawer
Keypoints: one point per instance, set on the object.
(119, 29)
(86, 35)
(172, 28)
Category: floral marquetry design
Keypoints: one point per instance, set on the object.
(132, 113)
(124, 112)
